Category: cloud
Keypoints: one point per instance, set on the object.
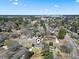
(16, 0)
(77, 0)
(10, 0)
(56, 6)
(15, 3)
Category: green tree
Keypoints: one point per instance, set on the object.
(32, 18)
(42, 23)
(50, 43)
(46, 53)
(62, 33)
(74, 27)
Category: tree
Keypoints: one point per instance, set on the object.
(46, 53)
(0, 30)
(32, 18)
(50, 43)
(78, 33)
(42, 23)
(74, 27)
(62, 33)
(31, 53)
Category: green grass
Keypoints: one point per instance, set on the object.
(9, 43)
(77, 42)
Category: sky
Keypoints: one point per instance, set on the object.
(39, 7)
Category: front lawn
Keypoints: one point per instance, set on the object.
(9, 43)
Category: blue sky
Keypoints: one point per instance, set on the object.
(39, 7)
